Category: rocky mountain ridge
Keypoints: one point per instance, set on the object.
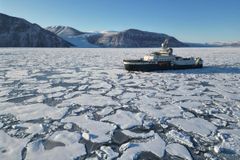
(131, 38)
(17, 32)
(64, 31)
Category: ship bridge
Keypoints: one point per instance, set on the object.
(159, 57)
(164, 55)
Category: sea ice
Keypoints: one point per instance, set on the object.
(72, 94)
(68, 126)
(225, 117)
(91, 100)
(180, 137)
(131, 150)
(193, 106)
(125, 119)
(16, 74)
(38, 99)
(178, 150)
(115, 92)
(4, 93)
(69, 148)
(98, 131)
(105, 111)
(51, 89)
(35, 111)
(163, 112)
(32, 128)
(10, 147)
(196, 125)
(138, 135)
(109, 153)
(65, 137)
(127, 97)
(202, 102)
(98, 84)
(230, 141)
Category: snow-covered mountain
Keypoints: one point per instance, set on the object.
(225, 44)
(64, 31)
(129, 38)
(72, 35)
(215, 44)
(133, 38)
(17, 32)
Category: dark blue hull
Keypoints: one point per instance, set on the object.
(147, 67)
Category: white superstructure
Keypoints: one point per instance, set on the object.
(166, 55)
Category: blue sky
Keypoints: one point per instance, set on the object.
(187, 20)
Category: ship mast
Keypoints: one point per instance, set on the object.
(165, 44)
(165, 49)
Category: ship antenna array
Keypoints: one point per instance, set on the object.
(165, 43)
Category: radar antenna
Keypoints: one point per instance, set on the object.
(165, 49)
(165, 43)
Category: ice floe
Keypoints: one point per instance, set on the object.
(105, 111)
(91, 100)
(51, 89)
(58, 104)
(10, 147)
(163, 111)
(34, 111)
(178, 150)
(96, 131)
(230, 141)
(32, 128)
(193, 106)
(125, 119)
(61, 145)
(196, 125)
(180, 137)
(107, 153)
(17, 74)
(225, 117)
(138, 135)
(131, 150)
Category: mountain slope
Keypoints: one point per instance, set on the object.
(133, 38)
(129, 38)
(72, 35)
(225, 44)
(64, 31)
(17, 32)
(215, 44)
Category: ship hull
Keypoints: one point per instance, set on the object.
(147, 67)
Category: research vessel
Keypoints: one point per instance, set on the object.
(164, 59)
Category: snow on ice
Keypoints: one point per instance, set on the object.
(61, 145)
(195, 125)
(179, 151)
(10, 147)
(82, 104)
(95, 131)
(35, 111)
(125, 119)
(155, 145)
